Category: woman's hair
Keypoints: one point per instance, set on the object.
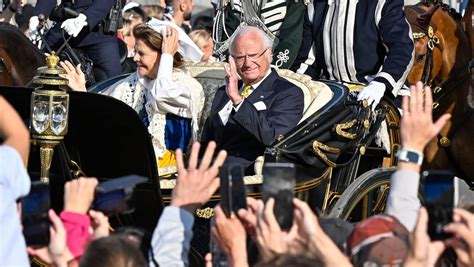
(153, 40)
(200, 37)
(114, 250)
(153, 11)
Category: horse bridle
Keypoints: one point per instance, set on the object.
(442, 90)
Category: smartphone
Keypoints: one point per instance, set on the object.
(116, 195)
(232, 189)
(439, 197)
(279, 183)
(34, 215)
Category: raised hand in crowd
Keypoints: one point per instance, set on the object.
(195, 185)
(271, 239)
(75, 76)
(417, 127)
(319, 245)
(79, 194)
(57, 252)
(99, 223)
(423, 251)
(78, 197)
(231, 237)
(462, 241)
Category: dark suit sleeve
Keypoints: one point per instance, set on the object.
(285, 113)
(396, 36)
(44, 7)
(97, 11)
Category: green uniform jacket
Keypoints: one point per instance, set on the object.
(290, 32)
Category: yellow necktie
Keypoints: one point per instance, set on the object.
(246, 91)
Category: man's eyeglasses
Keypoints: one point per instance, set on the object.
(251, 57)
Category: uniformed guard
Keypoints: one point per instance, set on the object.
(93, 29)
(368, 42)
(282, 20)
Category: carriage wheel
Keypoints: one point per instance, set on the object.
(365, 197)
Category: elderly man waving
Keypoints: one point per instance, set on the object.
(249, 115)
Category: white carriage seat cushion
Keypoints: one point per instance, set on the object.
(316, 94)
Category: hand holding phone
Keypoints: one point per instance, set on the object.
(278, 183)
(35, 220)
(439, 197)
(116, 196)
(232, 189)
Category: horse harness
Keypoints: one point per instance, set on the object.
(442, 90)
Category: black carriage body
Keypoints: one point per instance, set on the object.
(106, 139)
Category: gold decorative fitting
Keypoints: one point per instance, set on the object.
(52, 60)
(365, 103)
(318, 149)
(430, 32)
(362, 150)
(418, 35)
(206, 213)
(344, 126)
(366, 124)
(306, 132)
(435, 105)
(444, 141)
(437, 90)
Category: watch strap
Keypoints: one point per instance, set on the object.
(408, 155)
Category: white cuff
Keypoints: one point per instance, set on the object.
(236, 108)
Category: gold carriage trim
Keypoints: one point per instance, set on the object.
(344, 126)
(318, 149)
(206, 213)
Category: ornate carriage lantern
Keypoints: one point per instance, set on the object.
(49, 111)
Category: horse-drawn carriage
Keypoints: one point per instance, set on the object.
(344, 151)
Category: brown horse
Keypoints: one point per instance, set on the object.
(442, 56)
(19, 58)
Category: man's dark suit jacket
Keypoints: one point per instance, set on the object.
(249, 131)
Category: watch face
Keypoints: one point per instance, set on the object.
(412, 157)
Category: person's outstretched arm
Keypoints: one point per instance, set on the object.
(417, 129)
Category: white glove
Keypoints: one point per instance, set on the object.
(74, 26)
(372, 93)
(33, 28)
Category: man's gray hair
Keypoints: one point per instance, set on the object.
(267, 41)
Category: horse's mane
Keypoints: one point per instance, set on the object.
(420, 18)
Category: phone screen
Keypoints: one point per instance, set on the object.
(439, 201)
(119, 201)
(35, 220)
(279, 183)
(232, 189)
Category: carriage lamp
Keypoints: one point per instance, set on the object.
(49, 111)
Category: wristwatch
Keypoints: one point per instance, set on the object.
(409, 155)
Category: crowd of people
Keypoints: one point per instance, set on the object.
(366, 45)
